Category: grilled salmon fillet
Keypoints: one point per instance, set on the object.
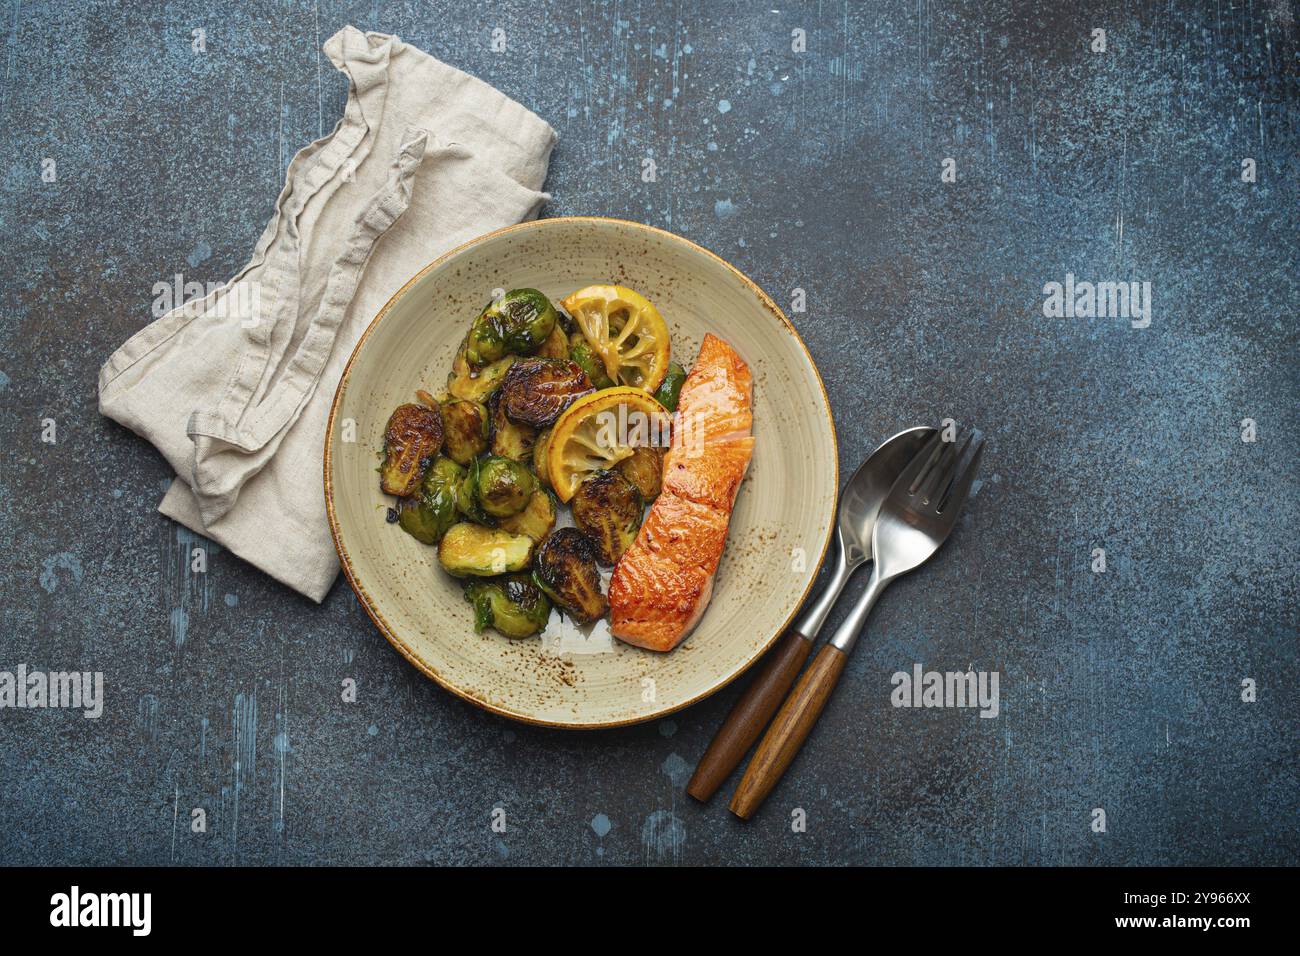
(716, 400)
(715, 482)
(664, 581)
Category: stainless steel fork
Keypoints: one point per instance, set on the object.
(914, 521)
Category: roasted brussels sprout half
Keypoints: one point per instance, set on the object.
(608, 509)
(465, 430)
(511, 439)
(412, 439)
(518, 322)
(470, 550)
(537, 390)
(556, 345)
(539, 457)
(565, 568)
(467, 497)
(503, 486)
(670, 389)
(427, 514)
(514, 605)
(585, 357)
(476, 384)
(484, 344)
(645, 469)
(536, 520)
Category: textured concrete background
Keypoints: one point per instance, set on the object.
(818, 170)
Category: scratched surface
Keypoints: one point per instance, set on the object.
(818, 170)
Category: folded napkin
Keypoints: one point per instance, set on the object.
(235, 388)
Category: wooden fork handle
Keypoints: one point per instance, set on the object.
(791, 727)
(750, 715)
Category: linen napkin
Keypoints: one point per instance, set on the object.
(235, 388)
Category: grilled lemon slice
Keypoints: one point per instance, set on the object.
(600, 430)
(627, 333)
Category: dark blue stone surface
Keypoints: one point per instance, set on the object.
(818, 170)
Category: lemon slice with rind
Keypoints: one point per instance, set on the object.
(626, 332)
(600, 430)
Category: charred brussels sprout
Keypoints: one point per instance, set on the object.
(513, 605)
(645, 469)
(518, 322)
(585, 357)
(467, 497)
(539, 457)
(411, 440)
(428, 513)
(536, 520)
(565, 568)
(608, 508)
(470, 550)
(485, 343)
(476, 384)
(670, 389)
(537, 390)
(503, 486)
(465, 430)
(511, 439)
(556, 345)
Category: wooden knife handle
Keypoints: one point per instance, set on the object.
(788, 731)
(750, 715)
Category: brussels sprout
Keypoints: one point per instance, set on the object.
(411, 440)
(556, 345)
(566, 323)
(537, 390)
(428, 513)
(585, 357)
(484, 344)
(503, 486)
(518, 322)
(470, 550)
(465, 428)
(467, 497)
(513, 605)
(510, 439)
(536, 520)
(539, 457)
(645, 469)
(565, 568)
(670, 389)
(476, 384)
(608, 509)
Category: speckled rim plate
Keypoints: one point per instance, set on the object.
(780, 527)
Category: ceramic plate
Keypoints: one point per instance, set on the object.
(572, 677)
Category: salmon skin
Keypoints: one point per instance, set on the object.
(664, 581)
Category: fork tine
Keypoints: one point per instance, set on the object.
(910, 476)
(956, 498)
(940, 477)
(926, 486)
(952, 466)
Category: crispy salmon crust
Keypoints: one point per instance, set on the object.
(715, 402)
(685, 533)
(663, 583)
(655, 601)
(711, 475)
